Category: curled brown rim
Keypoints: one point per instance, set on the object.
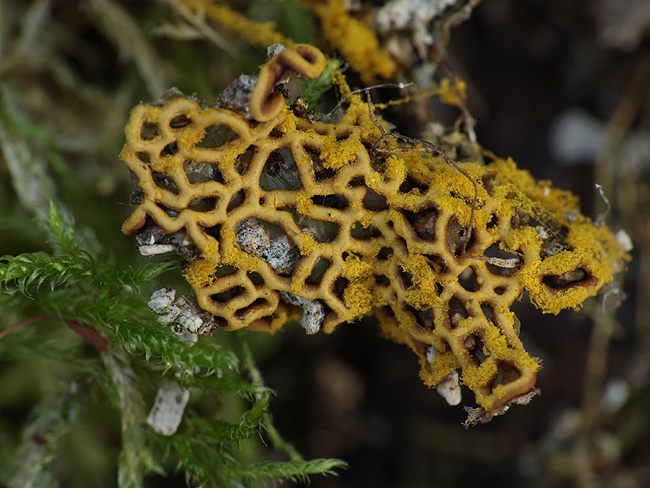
(301, 59)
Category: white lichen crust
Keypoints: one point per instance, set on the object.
(313, 311)
(168, 408)
(177, 313)
(280, 253)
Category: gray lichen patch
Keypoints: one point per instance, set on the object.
(237, 95)
(178, 313)
(254, 238)
(313, 312)
(167, 411)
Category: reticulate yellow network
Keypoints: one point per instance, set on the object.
(292, 219)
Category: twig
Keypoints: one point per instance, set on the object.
(89, 334)
(367, 90)
(25, 322)
(440, 152)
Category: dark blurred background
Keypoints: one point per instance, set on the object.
(548, 83)
(561, 86)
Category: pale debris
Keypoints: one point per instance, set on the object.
(617, 393)
(168, 408)
(313, 311)
(155, 249)
(413, 15)
(177, 313)
(507, 263)
(237, 95)
(274, 49)
(449, 387)
(624, 240)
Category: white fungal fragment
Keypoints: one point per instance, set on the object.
(313, 312)
(168, 408)
(432, 353)
(617, 393)
(177, 313)
(624, 240)
(503, 262)
(449, 388)
(153, 250)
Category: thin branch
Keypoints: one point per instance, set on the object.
(432, 147)
(88, 333)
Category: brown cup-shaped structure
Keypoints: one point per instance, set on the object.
(301, 59)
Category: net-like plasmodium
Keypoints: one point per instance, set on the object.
(290, 211)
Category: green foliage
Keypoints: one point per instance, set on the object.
(124, 359)
(313, 89)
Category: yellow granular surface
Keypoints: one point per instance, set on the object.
(354, 40)
(397, 223)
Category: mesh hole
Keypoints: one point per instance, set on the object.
(423, 318)
(456, 235)
(180, 121)
(255, 278)
(374, 201)
(436, 263)
(253, 307)
(405, 280)
(226, 296)
(336, 201)
(165, 182)
(237, 200)
(169, 211)
(457, 312)
(201, 172)
(476, 348)
(144, 157)
(203, 204)
(382, 280)
(169, 150)
(358, 231)
(149, 131)
(488, 312)
(410, 185)
(244, 159)
(215, 136)
(423, 223)
(506, 373)
(280, 172)
(318, 271)
(566, 280)
(467, 279)
(214, 231)
(339, 287)
(320, 172)
(385, 253)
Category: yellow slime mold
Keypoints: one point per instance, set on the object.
(287, 215)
